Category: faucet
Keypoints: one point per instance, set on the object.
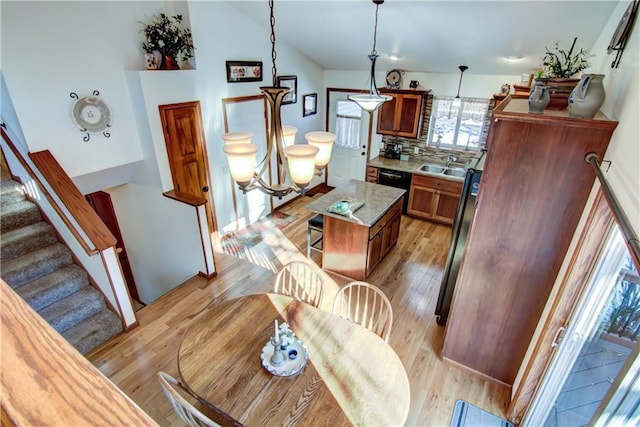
(450, 159)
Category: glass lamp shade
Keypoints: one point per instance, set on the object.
(456, 103)
(370, 102)
(237, 138)
(242, 161)
(324, 142)
(301, 159)
(289, 134)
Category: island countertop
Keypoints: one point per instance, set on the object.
(378, 199)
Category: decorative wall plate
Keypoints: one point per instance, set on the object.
(92, 114)
(394, 79)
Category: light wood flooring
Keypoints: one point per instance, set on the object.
(409, 275)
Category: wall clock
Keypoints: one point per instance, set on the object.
(622, 32)
(91, 114)
(394, 79)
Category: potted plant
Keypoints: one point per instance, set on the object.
(166, 35)
(558, 70)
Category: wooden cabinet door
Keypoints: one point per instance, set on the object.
(422, 202)
(402, 116)
(374, 253)
(446, 206)
(186, 149)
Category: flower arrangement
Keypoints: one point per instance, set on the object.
(166, 35)
(562, 64)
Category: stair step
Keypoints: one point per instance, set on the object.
(20, 214)
(19, 271)
(94, 331)
(74, 309)
(53, 287)
(10, 192)
(26, 239)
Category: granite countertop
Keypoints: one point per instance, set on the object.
(411, 166)
(378, 199)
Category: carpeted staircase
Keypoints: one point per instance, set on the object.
(41, 270)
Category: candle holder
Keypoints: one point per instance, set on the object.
(277, 358)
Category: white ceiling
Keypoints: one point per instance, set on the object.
(433, 36)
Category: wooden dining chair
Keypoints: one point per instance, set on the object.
(300, 280)
(185, 410)
(366, 305)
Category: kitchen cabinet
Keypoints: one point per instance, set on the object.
(383, 236)
(372, 174)
(403, 114)
(533, 191)
(435, 199)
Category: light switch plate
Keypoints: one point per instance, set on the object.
(416, 150)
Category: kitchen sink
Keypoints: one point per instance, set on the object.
(427, 167)
(435, 169)
(454, 172)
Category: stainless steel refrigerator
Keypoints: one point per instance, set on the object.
(459, 232)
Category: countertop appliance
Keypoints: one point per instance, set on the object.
(459, 232)
(397, 179)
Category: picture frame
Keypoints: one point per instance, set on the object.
(292, 83)
(309, 104)
(244, 71)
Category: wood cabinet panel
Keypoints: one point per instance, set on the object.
(402, 115)
(372, 174)
(534, 188)
(434, 199)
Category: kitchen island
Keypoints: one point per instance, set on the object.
(354, 245)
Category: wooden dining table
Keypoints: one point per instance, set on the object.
(352, 376)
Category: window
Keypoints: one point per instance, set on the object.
(348, 116)
(457, 124)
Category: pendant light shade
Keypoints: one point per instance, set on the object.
(301, 160)
(289, 134)
(324, 142)
(242, 161)
(373, 100)
(237, 138)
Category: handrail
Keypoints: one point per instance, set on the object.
(87, 219)
(628, 233)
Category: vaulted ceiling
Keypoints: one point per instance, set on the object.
(433, 36)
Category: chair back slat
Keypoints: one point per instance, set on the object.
(299, 280)
(366, 305)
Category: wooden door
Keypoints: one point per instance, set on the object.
(186, 149)
(101, 203)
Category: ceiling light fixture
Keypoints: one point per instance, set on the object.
(456, 101)
(373, 100)
(394, 56)
(301, 160)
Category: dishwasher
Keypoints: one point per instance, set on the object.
(397, 179)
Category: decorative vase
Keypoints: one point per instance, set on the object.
(538, 97)
(169, 63)
(587, 97)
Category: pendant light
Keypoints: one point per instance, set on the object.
(457, 102)
(301, 161)
(373, 100)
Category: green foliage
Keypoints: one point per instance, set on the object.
(562, 64)
(624, 316)
(167, 35)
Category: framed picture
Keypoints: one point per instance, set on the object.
(244, 71)
(309, 104)
(292, 83)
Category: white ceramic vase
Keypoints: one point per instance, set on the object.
(587, 97)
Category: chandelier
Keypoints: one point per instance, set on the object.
(302, 161)
(373, 100)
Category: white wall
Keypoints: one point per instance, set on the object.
(622, 104)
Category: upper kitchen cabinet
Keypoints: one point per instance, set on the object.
(533, 191)
(403, 115)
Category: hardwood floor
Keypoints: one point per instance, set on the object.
(409, 276)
